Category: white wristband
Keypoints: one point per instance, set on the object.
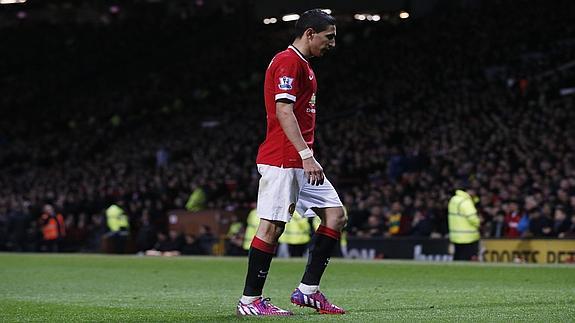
(305, 154)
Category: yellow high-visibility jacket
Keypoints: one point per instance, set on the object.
(463, 218)
(297, 231)
(116, 218)
(253, 221)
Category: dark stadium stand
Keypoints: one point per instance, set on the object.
(407, 112)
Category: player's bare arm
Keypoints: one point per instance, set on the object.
(288, 122)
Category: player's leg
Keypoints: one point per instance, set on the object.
(325, 239)
(262, 250)
(274, 198)
(324, 201)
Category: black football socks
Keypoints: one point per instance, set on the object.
(260, 258)
(324, 241)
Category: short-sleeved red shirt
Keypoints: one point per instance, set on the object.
(290, 77)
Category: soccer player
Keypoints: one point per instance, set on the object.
(291, 178)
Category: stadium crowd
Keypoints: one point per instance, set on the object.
(408, 111)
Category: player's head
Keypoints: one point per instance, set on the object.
(318, 29)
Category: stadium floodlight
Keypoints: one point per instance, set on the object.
(404, 15)
(359, 16)
(376, 17)
(328, 11)
(11, 1)
(271, 20)
(290, 17)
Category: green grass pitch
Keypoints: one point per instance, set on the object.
(98, 288)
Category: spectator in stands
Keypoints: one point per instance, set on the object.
(561, 223)
(421, 225)
(76, 232)
(96, 231)
(570, 233)
(375, 226)
(166, 245)
(191, 246)
(146, 236)
(393, 219)
(540, 225)
(17, 221)
(498, 226)
(206, 240)
(512, 218)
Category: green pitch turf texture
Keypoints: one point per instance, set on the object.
(98, 288)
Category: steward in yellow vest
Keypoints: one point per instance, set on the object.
(463, 226)
(119, 224)
(253, 221)
(297, 235)
(116, 219)
(197, 200)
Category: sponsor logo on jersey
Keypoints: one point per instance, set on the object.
(311, 102)
(285, 83)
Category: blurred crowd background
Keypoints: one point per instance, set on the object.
(157, 110)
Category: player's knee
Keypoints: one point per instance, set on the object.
(337, 219)
(270, 230)
(279, 229)
(341, 221)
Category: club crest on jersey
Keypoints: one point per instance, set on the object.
(285, 83)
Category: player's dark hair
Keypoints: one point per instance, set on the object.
(315, 19)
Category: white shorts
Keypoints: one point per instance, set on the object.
(283, 190)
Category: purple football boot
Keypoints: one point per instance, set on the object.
(261, 306)
(317, 301)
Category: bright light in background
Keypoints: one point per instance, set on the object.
(290, 17)
(11, 1)
(404, 15)
(328, 11)
(271, 20)
(366, 16)
(114, 9)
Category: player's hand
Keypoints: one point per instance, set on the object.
(313, 171)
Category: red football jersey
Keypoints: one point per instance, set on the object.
(289, 76)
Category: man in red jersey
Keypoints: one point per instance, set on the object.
(291, 178)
